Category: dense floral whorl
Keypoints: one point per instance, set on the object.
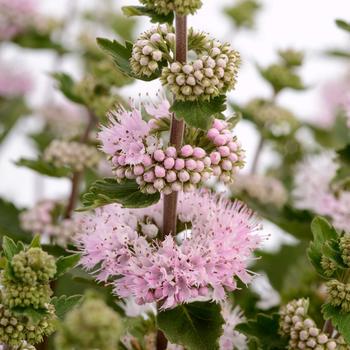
(137, 152)
(217, 249)
(213, 72)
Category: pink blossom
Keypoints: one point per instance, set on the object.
(159, 110)
(125, 134)
(218, 249)
(13, 82)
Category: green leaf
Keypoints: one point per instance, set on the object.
(43, 167)
(63, 304)
(264, 332)
(126, 193)
(343, 25)
(10, 248)
(338, 53)
(144, 11)
(121, 56)
(35, 243)
(9, 222)
(11, 110)
(340, 320)
(322, 232)
(66, 85)
(65, 263)
(199, 114)
(196, 326)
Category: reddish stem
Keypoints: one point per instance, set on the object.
(176, 138)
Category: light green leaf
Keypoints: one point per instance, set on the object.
(35, 243)
(35, 315)
(66, 85)
(196, 326)
(10, 248)
(199, 114)
(126, 193)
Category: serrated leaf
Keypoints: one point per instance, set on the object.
(35, 243)
(264, 332)
(196, 326)
(144, 11)
(63, 304)
(199, 114)
(10, 248)
(343, 25)
(43, 167)
(126, 193)
(121, 55)
(322, 232)
(340, 320)
(67, 86)
(65, 263)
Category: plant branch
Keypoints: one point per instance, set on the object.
(258, 155)
(177, 130)
(176, 138)
(77, 176)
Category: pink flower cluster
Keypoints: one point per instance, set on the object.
(13, 83)
(15, 17)
(313, 190)
(216, 250)
(136, 151)
(43, 219)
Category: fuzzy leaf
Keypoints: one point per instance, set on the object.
(63, 304)
(196, 326)
(43, 167)
(263, 332)
(340, 320)
(130, 11)
(126, 193)
(66, 85)
(65, 263)
(199, 114)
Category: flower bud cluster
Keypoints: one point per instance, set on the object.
(25, 346)
(42, 219)
(267, 190)
(214, 72)
(302, 330)
(74, 155)
(151, 50)
(227, 157)
(339, 294)
(292, 58)
(181, 7)
(344, 245)
(25, 295)
(328, 266)
(93, 325)
(33, 266)
(168, 170)
(278, 120)
(16, 331)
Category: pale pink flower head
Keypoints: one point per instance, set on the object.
(125, 135)
(13, 83)
(206, 262)
(15, 17)
(160, 109)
